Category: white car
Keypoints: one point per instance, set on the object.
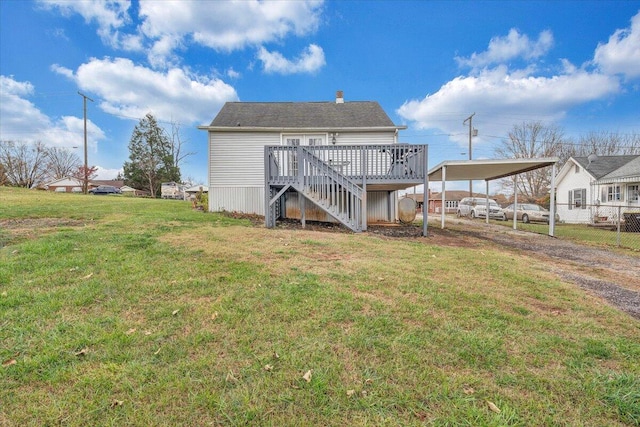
(476, 207)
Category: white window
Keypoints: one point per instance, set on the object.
(577, 198)
(633, 193)
(613, 193)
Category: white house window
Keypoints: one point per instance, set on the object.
(315, 141)
(578, 198)
(613, 193)
(633, 193)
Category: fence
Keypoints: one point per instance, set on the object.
(607, 225)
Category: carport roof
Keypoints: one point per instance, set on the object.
(463, 170)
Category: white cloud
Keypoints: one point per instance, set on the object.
(165, 26)
(233, 74)
(106, 174)
(227, 25)
(21, 120)
(110, 15)
(130, 90)
(621, 54)
(514, 45)
(309, 61)
(498, 94)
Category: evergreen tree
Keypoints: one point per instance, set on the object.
(151, 160)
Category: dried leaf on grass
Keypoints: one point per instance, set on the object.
(88, 276)
(231, 378)
(174, 312)
(493, 407)
(307, 376)
(268, 368)
(9, 362)
(468, 390)
(116, 403)
(82, 352)
(131, 331)
(350, 393)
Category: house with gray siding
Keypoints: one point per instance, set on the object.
(324, 161)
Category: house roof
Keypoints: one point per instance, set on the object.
(605, 165)
(302, 115)
(112, 182)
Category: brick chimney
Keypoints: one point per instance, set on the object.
(339, 97)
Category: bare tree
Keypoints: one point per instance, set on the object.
(62, 163)
(531, 140)
(178, 145)
(601, 144)
(24, 164)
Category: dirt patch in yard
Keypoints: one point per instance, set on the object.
(16, 230)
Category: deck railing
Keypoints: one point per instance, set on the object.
(373, 163)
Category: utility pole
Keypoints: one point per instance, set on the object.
(471, 131)
(85, 183)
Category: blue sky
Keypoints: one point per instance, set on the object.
(430, 64)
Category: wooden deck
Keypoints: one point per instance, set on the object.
(337, 178)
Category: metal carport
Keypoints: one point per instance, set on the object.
(489, 170)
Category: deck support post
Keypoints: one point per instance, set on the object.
(363, 156)
(552, 202)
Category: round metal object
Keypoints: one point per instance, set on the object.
(407, 208)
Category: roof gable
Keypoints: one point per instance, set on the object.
(296, 115)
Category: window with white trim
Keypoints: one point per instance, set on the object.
(613, 193)
(633, 193)
(578, 198)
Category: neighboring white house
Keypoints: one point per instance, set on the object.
(240, 132)
(590, 189)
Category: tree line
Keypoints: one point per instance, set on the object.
(155, 156)
(537, 140)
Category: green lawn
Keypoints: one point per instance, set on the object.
(122, 311)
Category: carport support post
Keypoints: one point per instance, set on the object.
(515, 202)
(425, 197)
(552, 202)
(443, 195)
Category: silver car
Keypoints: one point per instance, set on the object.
(528, 212)
(476, 207)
